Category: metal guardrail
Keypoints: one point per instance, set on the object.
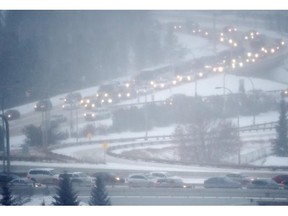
(257, 127)
(152, 140)
(250, 128)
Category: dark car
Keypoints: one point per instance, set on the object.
(12, 114)
(263, 184)
(109, 178)
(221, 182)
(237, 177)
(23, 186)
(91, 116)
(6, 178)
(280, 178)
(43, 105)
(74, 97)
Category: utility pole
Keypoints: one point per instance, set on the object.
(7, 147)
(146, 114)
(253, 88)
(238, 124)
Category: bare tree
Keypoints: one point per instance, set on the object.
(207, 141)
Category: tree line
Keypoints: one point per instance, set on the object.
(43, 53)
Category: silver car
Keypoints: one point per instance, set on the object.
(140, 180)
(79, 178)
(170, 183)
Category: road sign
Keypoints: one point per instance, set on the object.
(105, 146)
(89, 136)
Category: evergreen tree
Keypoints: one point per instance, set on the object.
(281, 141)
(99, 195)
(65, 193)
(7, 198)
(33, 135)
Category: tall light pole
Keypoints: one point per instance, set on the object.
(224, 83)
(196, 79)
(7, 147)
(238, 124)
(5, 128)
(253, 89)
(146, 114)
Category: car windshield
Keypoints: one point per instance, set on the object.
(149, 176)
(82, 175)
(52, 172)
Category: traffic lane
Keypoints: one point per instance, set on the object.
(124, 190)
(172, 201)
(34, 118)
(188, 201)
(200, 192)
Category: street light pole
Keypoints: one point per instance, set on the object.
(7, 155)
(224, 83)
(196, 79)
(253, 87)
(146, 114)
(238, 125)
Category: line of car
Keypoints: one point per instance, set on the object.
(239, 181)
(47, 176)
(155, 179)
(50, 177)
(230, 180)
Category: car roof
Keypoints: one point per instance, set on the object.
(10, 174)
(263, 179)
(77, 172)
(11, 110)
(22, 178)
(159, 172)
(233, 174)
(48, 169)
(133, 174)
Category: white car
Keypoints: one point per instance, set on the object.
(164, 175)
(140, 180)
(43, 175)
(80, 178)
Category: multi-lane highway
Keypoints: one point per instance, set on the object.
(123, 195)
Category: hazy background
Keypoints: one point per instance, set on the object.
(57, 51)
